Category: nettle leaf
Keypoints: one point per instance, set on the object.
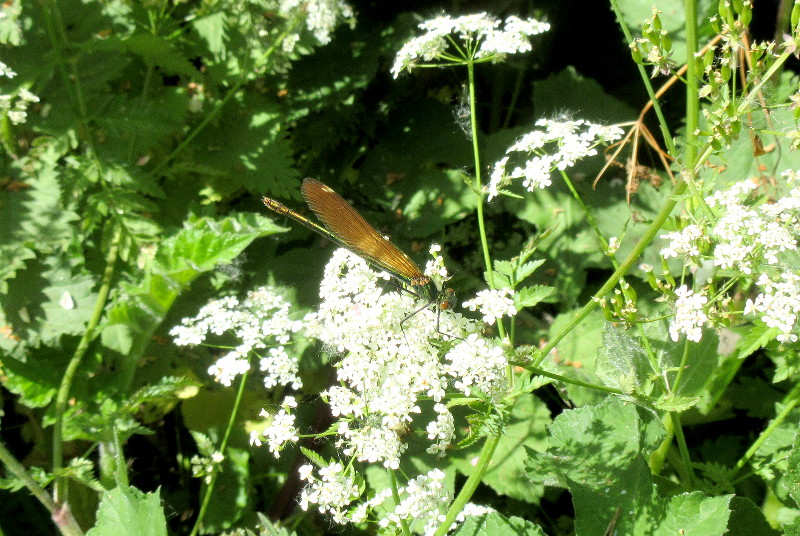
(36, 378)
(577, 354)
(200, 247)
(597, 452)
(622, 362)
(496, 524)
(71, 301)
(126, 511)
(248, 148)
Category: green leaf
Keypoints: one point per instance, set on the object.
(577, 354)
(200, 247)
(793, 473)
(506, 472)
(126, 511)
(496, 524)
(622, 362)
(597, 452)
(161, 53)
(747, 519)
(211, 29)
(248, 148)
(531, 296)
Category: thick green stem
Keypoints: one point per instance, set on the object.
(72, 366)
(478, 186)
(470, 485)
(60, 514)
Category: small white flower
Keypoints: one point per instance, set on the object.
(279, 432)
(777, 304)
(320, 16)
(6, 71)
(332, 492)
(689, 315)
(478, 367)
(425, 499)
(685, 242)
(493, 304)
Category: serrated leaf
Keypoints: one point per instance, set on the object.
(126, 511)
(496, 524)
(249, 149)
(180, 259)
(676, 403)
(622, 362)
(532, 295)
(793, 473)
(314, 458)
(756, 336)
(157, 51)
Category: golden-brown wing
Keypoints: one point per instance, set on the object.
(356, 233)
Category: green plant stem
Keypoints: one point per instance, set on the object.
(790, 402)
(624, 287)
(396, 497)
(60, 514)
(692, 116)
(222, 447)
(572, 381)
(612, 281)
(675, 419)
(662, 122)
(72, 367)
(470, 485)
(478, 187)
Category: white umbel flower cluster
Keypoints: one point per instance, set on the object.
(259, 322)
(493, 304)
(478, 37)
(554, 145)
(391, 359)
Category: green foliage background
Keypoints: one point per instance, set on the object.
(132, 196)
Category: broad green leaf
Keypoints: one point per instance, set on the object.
(129, 512)
(496, 524)
(622, 362)
(747, 519)
(691, 514)
(576, 354)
